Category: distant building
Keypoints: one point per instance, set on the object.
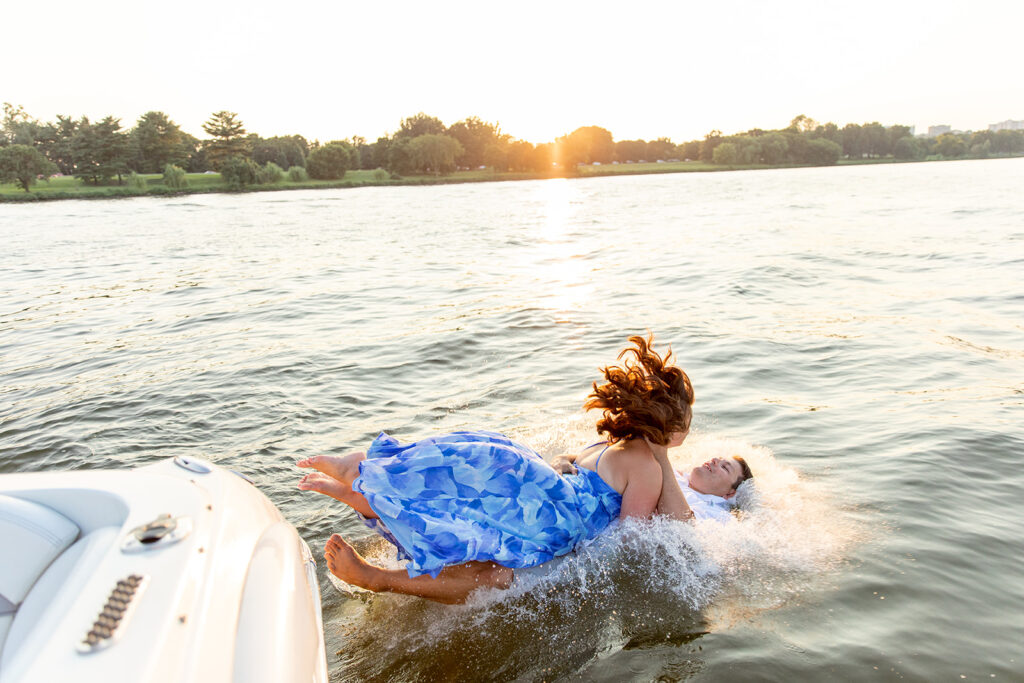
(1008, 124)
(936, 131)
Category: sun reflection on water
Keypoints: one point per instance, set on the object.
(563, 273)
(555, 197)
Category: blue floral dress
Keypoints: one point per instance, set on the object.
(479, 496)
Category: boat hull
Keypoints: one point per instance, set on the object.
(228, 593)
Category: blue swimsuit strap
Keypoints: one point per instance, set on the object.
(608, 487)
(606, 447)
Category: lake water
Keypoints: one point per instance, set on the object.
(857, 333)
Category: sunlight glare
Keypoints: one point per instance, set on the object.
(563, 274)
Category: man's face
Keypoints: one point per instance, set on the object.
(716, 477)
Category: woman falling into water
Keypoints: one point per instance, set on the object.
(466, 509)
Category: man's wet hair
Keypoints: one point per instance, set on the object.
(745, 472)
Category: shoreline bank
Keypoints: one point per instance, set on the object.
(68, 187)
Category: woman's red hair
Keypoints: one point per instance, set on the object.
(645, 397)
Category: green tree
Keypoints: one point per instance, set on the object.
(522, 156)
(269, 151)
(55, 142)
(84, 152)
(726, 153)
(419, 124)
(690, 150)
(114, 147)
(774, 149)
(981, 150)
(301, 145)
(583, 146)
(630, 150)
(227, 137)
(908, 149)
(17, 127)
(378, 157)
(157, 142)
(798, 147)
(434, 153)
(22, 164)
(853, 144)
(875, 139)
(661, 148)
(174, 177)
(496, 156)
(270, 173)
(822, 152)
(980, 138)
(479, 140)
(100, 150)
(950, 146)
(896, 133)
(737, 149)
(239, 171)
(829, 131)
(328, 162)
(283, 151)
(707, 147)
(1008, 142)
(198, 162)
(748, 149)
(544, 157)
(367, 153)
(802, 124)
(399, 156)
(137, 182)
(353, 153)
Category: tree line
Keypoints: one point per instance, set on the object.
(805, 141)
(104, 152)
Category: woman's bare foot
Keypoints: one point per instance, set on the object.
(344, 468)
(345, 563)
(329, 486)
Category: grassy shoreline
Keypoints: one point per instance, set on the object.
(203, 183)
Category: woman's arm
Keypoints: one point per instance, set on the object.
(671, 503)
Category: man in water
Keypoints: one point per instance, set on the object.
(709, 489)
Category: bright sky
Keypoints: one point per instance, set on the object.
(330, 69)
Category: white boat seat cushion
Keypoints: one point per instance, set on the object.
(32, 536)
(5, 626)
(46, 604)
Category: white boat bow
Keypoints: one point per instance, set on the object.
(176, 571)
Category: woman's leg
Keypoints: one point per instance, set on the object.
(453, 585)
(334, 477)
